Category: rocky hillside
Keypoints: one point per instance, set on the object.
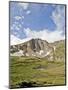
(59, 50)
(39, 48)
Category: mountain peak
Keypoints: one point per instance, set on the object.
(36, 47)
(15, 41)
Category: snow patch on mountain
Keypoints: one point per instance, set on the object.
(41, 51)
(48, 53)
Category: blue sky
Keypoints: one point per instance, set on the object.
(32, 20)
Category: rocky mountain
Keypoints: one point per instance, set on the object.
(59, 50)
(39, 48)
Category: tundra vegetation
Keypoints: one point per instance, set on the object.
(35, 72)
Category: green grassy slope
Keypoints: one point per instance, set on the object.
(60, 52)
(32, 71)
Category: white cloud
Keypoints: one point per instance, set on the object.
(19, 25)
(58, 17)
(17, 17)
(44, 34)
(15, 26)
(24, 5)
(22, 17)
(14, 40)
(28, 12)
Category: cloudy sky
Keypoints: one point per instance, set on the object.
(33, 20)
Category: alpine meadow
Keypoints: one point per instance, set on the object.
(37, 45)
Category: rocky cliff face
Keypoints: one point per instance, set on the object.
(37, 48)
